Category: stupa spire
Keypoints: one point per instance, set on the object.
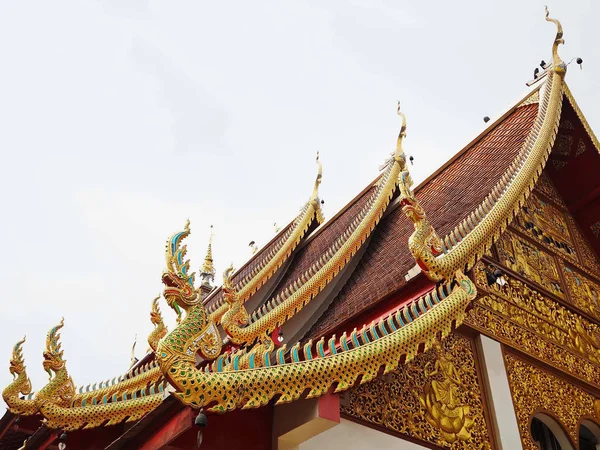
(207, 274)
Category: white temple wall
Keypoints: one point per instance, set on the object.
(349, 435)
(503, 417)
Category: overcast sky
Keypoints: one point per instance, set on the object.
(121, 119)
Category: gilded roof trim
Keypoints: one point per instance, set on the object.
(284, 249)
(581, 117)
(463, 246)
(301, 291)
(363, 353)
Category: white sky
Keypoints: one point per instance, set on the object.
(120, 119)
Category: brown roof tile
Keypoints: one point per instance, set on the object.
(447, 197)
(216, 296)
(317, 246)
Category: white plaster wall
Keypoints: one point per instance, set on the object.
(352, 436)
(507, 429)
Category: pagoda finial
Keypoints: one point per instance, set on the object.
(208, 269)
(399, 152)
(315, 193)
(557, 63)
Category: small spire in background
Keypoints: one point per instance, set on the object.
(277, 229)
(207, 274)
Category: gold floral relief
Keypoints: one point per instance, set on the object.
(524, 318)
(531, 309)
(585, 294)
(516, 336)
(436, 398)
(529, 261)
(587, 256)
(546, 224)
(545, 187)
(535, 390)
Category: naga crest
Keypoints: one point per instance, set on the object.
(237, 313)
(53, 355)
(155, 315)
(179, 283)
(160, 330)
(17, 363)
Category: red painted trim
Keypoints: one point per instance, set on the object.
(171, 430)
(329, 407)
(47, 441)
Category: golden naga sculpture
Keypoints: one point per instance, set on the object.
(279, 254)
(275, 312)
(60, 389)
(160, 330)
(180, 293)
(441, 401)
(20, 384)
(462, 247)
(339, 362)
(245, 380)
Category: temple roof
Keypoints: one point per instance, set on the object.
(448, 195)
(342, 268)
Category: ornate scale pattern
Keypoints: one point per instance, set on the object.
(252, 388)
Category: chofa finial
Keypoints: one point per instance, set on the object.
(557, 62)
(399, 152)
(315, 193)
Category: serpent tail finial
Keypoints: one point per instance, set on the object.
(155, 314)
(17, 362)
(133, 358)
(315, 192)
(53, 354)
(227, 279)
(398, 154)
(558, 64)
(160, 330)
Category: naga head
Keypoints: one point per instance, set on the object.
(179, 283)
(17, 362)
(237, 313)
(53, 355)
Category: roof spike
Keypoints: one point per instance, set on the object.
(557, 63)
(315, 192)
(133, 359)
(401, 134)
